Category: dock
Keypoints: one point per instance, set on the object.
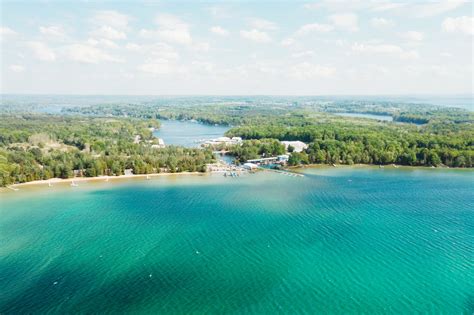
(283, 172)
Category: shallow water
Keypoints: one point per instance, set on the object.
(339, 240)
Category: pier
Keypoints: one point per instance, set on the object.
(283, 172)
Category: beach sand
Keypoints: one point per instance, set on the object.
(53, 181)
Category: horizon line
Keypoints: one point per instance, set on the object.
(203, 95)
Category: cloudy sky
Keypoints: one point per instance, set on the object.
(233, 47)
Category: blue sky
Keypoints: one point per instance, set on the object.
(237, 47)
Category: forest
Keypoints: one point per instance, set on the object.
(420, 135)
(375, 143)
(107, 139)
(36, 146)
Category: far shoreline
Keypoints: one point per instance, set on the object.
(388, 166)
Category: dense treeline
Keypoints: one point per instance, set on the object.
(370, 144)
(241, 111)
(108, 139)
(36, 147)
(227, 115)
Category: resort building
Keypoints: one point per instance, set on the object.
(281, 159)
(250, 166)
(223, 140)
(297, 145)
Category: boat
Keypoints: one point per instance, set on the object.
(73, 184)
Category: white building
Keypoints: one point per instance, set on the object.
(161, 144)
(297, 145)
(250, 166)
(223, 140)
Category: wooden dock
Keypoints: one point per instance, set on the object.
(287, 173)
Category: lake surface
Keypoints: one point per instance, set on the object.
(370, 116)
(187, 133)
(339, 240)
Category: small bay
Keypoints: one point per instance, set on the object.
(188, 133)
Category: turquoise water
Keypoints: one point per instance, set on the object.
(339, 240)
(187, 133)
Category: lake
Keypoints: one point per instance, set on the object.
(339, 240)
(187, 133)
(370, 116)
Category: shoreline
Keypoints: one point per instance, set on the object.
(387, 166)
(296, 169)
(103, 178)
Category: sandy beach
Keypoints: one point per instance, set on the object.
(53, 181)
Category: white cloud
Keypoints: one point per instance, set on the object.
(102, 42)
(314, 27)
(383, 48)
(302, 54)
(112, 18)
(170, 29)
(386, 49)
(345, 21)
(219, 31)
(88, 54)
(312, 6)
(307, 70)
(381, 22)
(287, 42)
(161, 67)
(339, 5)
(388, 6)
(164, 51)
(409, 54)
(156, 51)
(133, 47)
(412, 36)
(6, 31)
(436, 8)
(109, 32)
(262, 24)
(41, 51)
(203, 67)
(54, 31)
(201, 47)
(462, 24)
(256, 36)
(17, 68)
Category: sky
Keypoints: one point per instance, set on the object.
(237, 47)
